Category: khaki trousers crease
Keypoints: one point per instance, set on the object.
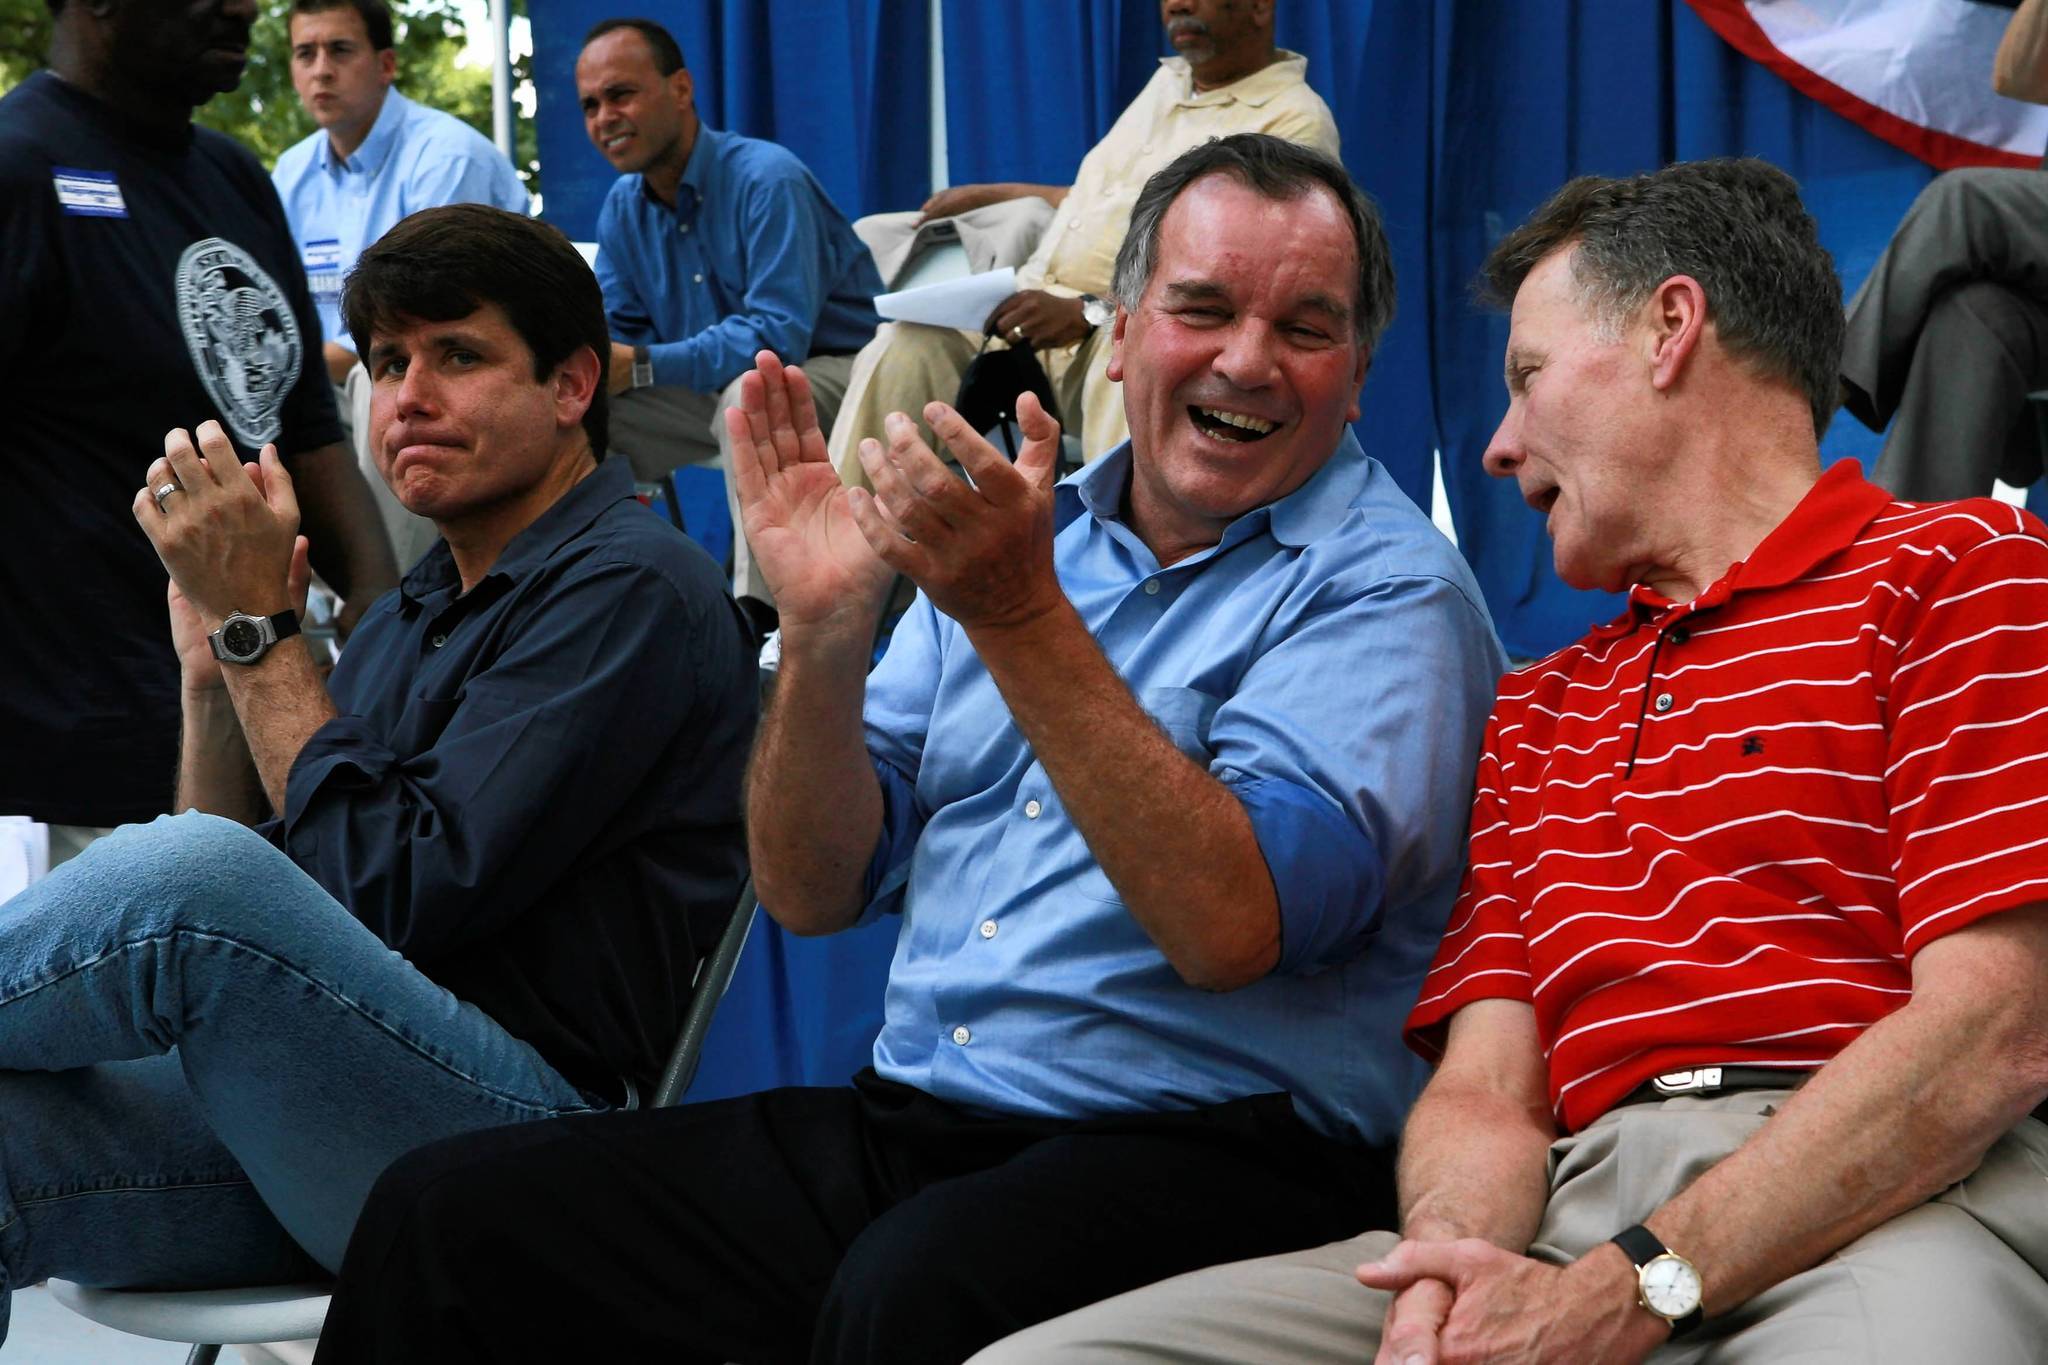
(1963, 1277)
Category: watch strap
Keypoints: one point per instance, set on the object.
(284, 625)
(1643, 1246)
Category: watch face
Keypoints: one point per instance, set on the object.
(1671, 1287)
(241, 638)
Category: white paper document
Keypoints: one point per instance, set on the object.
(24, 853)
(964, 303)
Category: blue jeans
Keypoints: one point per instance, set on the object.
(205, 1062)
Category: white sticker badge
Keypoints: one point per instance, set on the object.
(88, 194)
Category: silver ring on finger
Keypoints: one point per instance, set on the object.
(1017, 335)
(163, 492)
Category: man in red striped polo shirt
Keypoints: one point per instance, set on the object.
(1744, 1003)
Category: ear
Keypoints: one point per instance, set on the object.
(1354, 412)
(1116, 344)
(387, 67)
(683, 88)
(1675, 316)
(576, 381)
(1262, 15)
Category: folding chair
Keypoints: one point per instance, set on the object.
(292, 1312)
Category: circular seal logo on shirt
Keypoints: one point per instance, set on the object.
(242, 335)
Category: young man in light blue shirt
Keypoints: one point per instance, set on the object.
(375, 158)
(712, 247)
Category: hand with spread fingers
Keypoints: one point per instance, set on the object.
(796, 514)
(226, 536)
(980, 547)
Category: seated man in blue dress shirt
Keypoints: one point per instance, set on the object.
(710, 247)
(504, 832)
(375, 158)
(1166, 774)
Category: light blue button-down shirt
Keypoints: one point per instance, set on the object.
(1331, 662)
(755, 255)
(414, 158)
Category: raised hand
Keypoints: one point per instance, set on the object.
(226, 537)
(793, 508)
(982, 551)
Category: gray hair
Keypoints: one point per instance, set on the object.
(1736, 225)
(1280, 170)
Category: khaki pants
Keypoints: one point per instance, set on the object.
(1960, 1278)
(666, 427)
(908, 365)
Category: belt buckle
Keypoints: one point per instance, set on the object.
(1698, 1081)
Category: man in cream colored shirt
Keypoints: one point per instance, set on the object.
(1228, 78)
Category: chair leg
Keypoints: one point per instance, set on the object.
(203, 1355)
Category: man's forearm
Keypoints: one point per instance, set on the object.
(280, 702)
(1904, 1111)
(814, 807)
(2020, 70)
(215, 772)
(344, 531)
(1475, 1151)
(1175, 843)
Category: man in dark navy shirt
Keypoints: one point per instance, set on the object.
(150, 280)
(524, 779)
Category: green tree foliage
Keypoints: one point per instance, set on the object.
(263, 113)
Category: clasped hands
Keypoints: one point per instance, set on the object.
(1471, 1301)
(227, 534)
(981, 551)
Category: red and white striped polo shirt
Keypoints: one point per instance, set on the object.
(1715, 832)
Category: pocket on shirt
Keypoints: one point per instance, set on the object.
(1185, 713)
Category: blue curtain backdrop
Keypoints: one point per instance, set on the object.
(845, 84)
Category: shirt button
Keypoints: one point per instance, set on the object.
(1663, 703)
(1151, 587)
(961, 1035)
(696, 279)
(1031, 810)
(1678, 635)
(988, 928)
(1051, 278)
(440, 640)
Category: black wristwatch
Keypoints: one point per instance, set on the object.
(243, 639)
(1666, 1283)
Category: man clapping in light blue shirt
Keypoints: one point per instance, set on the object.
(1166, 774)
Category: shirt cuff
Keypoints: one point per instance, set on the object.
(889, 870)
(346, 754)
(1327, 875)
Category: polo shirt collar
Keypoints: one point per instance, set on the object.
(570, 516)
(1284, 72)
(369, 158)
(1297, 520)
(1828, 519)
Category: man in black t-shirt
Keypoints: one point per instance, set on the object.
(150, 282)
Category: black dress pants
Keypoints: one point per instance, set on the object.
(870, 1223)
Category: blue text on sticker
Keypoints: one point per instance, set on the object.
(322, 260)
(88, 194)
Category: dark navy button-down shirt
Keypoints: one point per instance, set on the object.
(1331, 662)
(753, 257)
(533, 788)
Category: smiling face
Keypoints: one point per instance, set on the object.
(1239, 365)
(340, 78)
(464, 432)
(1579, 435)
(640, 119)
